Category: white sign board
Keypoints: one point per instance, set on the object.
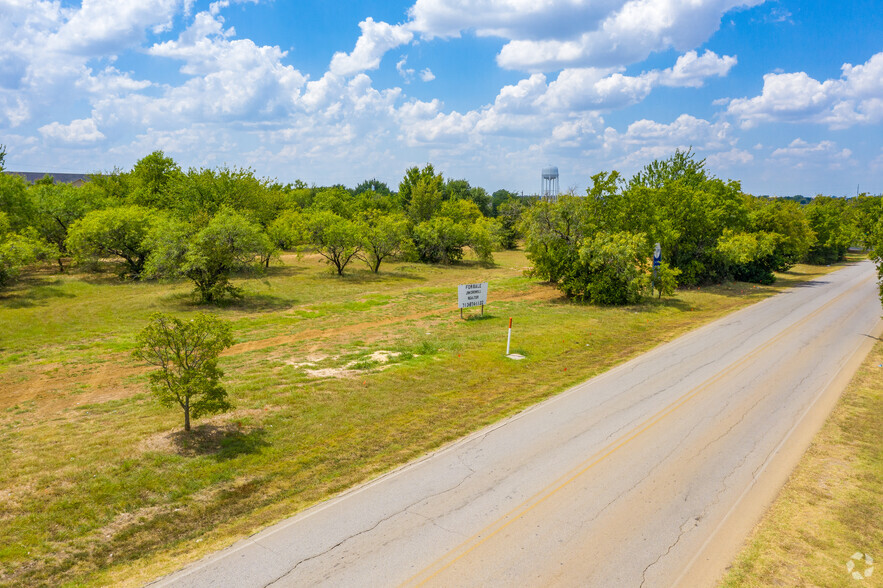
(471, 295)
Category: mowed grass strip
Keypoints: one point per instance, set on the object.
(831, 508)
(99, 486)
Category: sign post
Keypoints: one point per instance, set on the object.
(471, 295)
(509, 336)
(657, 259)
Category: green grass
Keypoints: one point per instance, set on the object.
(831, 506)
(98, 486)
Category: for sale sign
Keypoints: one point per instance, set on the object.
(471, 295)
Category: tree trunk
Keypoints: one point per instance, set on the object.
(187, 415)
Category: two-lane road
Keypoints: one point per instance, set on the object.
(648, 475)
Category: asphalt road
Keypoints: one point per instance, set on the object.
(648, 475)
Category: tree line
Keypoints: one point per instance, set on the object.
(207, 225)
(599, 247)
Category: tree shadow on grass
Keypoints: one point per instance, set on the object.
(38, 295)
(221, 442)
(249, 302)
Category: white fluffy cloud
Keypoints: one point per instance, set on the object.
(377, 38)
(855, 98)
(100, 27)
(599, 89)
(78, 131)
(800, 154)
(690, 70)
(556, 34)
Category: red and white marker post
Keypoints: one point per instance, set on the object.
(509, 337)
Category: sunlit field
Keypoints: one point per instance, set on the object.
(334, 381)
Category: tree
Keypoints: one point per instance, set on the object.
(337, 239)
(18, 250)
(413, 175)
(785, 218)
(202, 193)
(441, 240)
(56, 207)
(499, 197)
(152, 179)
(2, 157)
(554, 233)
(186, 353)
(830, 220)
(208, 256)
(372, 185)
(426, 198)
(509, 216)
(611, 269)
(383, 236)
(14, 201)
(120, 231)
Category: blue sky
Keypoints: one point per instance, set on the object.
(785, 96)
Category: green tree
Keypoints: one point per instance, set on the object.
(336, 199)
(786, 219)
(18, 250)
(830, 220)
(554, 232)
(14, 201)
(499, 197)
(202, 193)
(749, 257)
(119, 232)
(152, 179)
(336, 238)
(440, 240)
(611, 269)
(412, 177)
(2, 157)
(426, 198)
(56, 207)
(186, 353)
(867, 214)
(372, 185)
(383, 236)
(209, 255)
(509, 215)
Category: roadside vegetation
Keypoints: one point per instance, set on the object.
(348, 356)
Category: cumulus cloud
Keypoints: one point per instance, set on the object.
(426, 75)
(78, 131)
(100, 27)
(405, 72)
(556, 34)
(855, 98)
(602, 89)
(728, 159)
(376, 39)
(800, 153)
(690, 70)
(229, 78)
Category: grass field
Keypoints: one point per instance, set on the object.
(832, 506)
(334, 380)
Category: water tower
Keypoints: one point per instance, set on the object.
(550, 183)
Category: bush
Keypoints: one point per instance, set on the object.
(611, 269)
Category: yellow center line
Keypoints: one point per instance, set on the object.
(529, 504)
